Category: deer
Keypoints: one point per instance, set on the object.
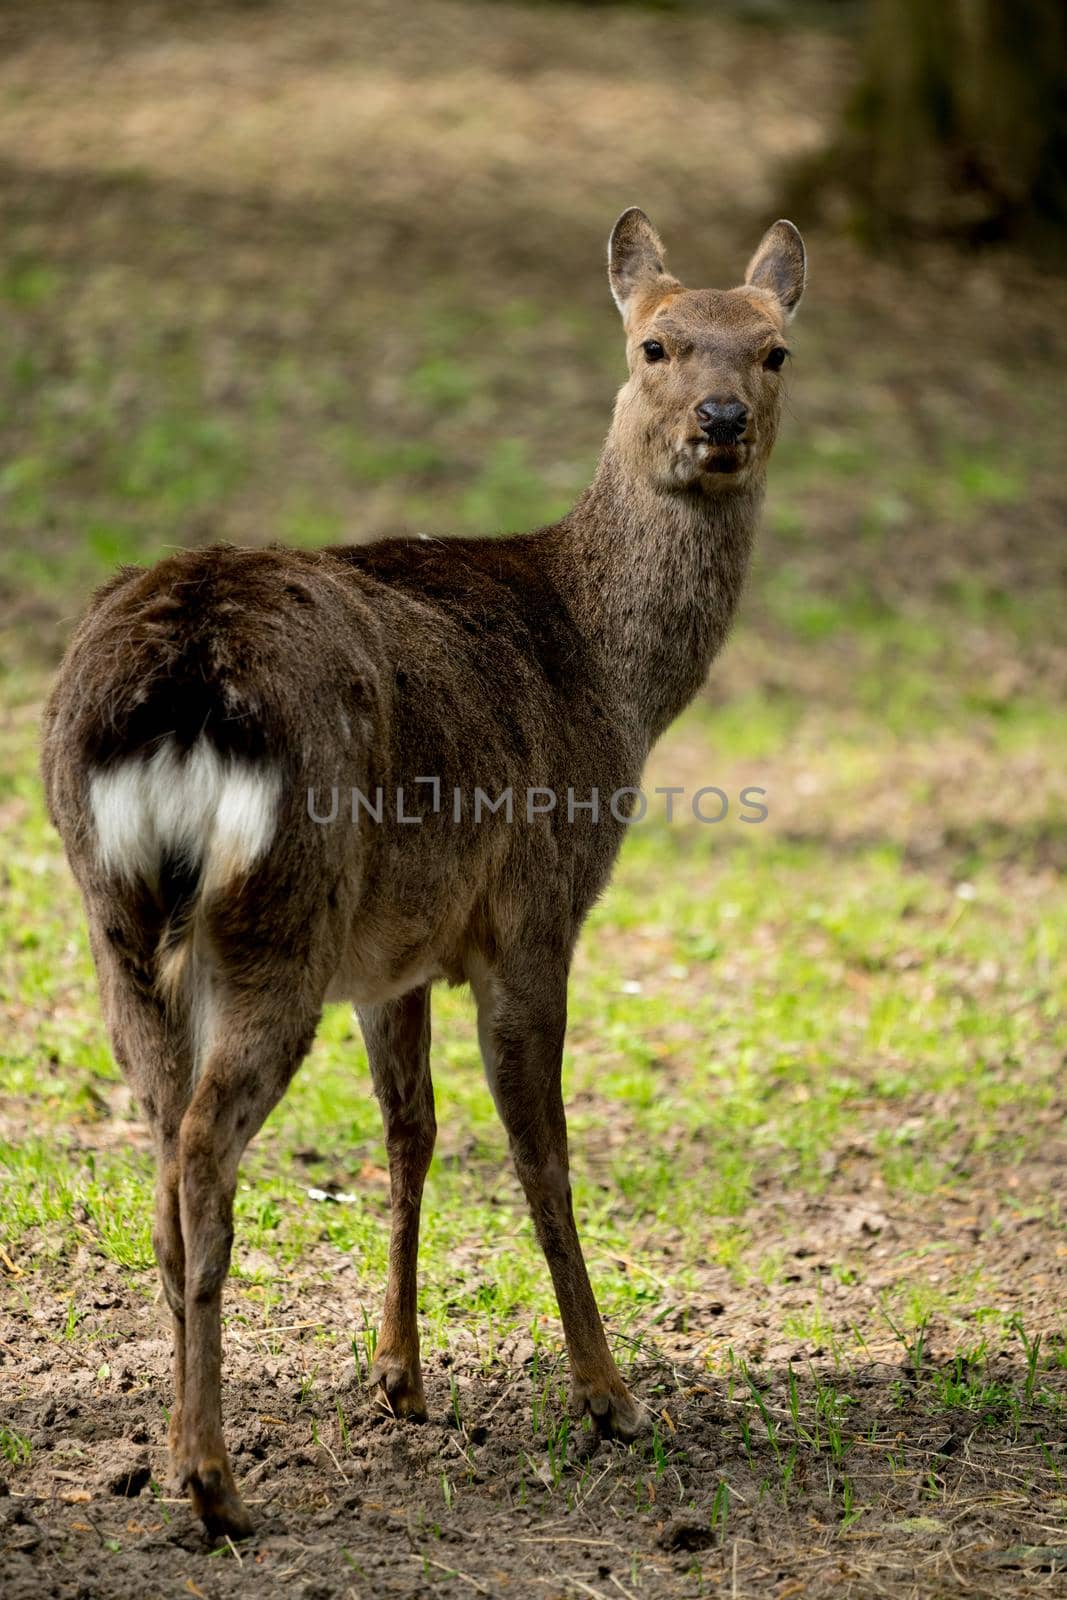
(206, 707)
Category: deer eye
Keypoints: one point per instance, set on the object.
(654, 351)
(776, 360)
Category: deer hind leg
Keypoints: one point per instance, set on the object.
(256, 1048)
(170, 1255)
(397, 1036)
(155, 1055)
(522, 1018)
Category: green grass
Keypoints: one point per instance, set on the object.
(13, 1446)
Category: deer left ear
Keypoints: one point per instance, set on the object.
(780, 265)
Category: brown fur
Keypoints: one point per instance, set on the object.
(551, 659)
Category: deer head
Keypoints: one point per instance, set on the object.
(699, 412)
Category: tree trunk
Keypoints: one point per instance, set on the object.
(960, 123)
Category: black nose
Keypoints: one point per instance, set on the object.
(724, 421)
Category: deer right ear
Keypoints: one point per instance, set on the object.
(635, 260)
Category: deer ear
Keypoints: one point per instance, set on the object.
(780, 265)
(635, 259)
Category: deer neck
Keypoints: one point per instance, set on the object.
(654, 579)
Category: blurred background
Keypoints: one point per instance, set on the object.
(274, 271)
(313, 273)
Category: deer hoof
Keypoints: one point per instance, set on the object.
(615, 1412)
(400, 1384)
(215, 1500)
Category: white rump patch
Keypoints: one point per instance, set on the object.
(211, 812)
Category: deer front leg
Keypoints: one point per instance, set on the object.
(397, 1036)
(521, 1024)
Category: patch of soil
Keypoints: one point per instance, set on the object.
(793, 1474)
(480, 1505)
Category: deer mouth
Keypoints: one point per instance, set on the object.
(722, 457)
(695, 461)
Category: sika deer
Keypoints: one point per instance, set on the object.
(202, 704)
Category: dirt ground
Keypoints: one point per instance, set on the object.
(489, 1497)
(366, 1512)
